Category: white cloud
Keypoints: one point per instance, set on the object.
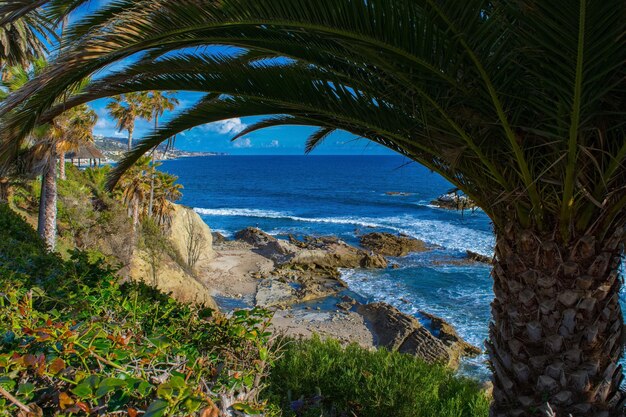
(243, 143)
(119, 134)
(274, 144)
(224, 127)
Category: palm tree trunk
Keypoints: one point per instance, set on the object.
(5, 190)
(150, 205)
(48, 204)
(130, 138)
(62, 166)
(556, 335)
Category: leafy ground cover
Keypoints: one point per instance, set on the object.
(74, 341)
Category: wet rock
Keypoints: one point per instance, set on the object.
(272, 292)
(254, 236)
(398, 331)
(449, 336)
(477, 257)
(387, 244)
(454, 201)
(218, 238)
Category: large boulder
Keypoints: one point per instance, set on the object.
(189, 230)
(387, 244)
(254, 236)
(171, 279)
(331, 252)
(173, 275)
(397, 331)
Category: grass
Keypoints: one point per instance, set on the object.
(321, 378)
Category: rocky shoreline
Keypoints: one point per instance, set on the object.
(300, 280)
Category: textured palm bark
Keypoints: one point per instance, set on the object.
(48, 205)
(556, 334)
(62, 166)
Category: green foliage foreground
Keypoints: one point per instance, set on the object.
(73, 341)
(317, 378)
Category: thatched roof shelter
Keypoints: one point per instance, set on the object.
(87, 151)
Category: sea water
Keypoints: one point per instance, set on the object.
(347, 196)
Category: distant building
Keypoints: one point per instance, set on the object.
(87, 155)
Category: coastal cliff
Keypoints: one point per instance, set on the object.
(173, 274)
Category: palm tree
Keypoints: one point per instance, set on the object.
(71, 131)
(23, 35)
(158, 103)
(48, 145)
(135, 186)
(166, 192)
(521, 105)
(126, 109)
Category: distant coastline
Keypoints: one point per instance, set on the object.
(114, 149)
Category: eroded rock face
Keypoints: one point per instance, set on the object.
(398, 331)
(448, 335)
(387, 244)
(312, 264)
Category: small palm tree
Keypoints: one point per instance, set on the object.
(166, 192)
(158, 103)
(519, 104)
(135, 187)
(126, 109)
(71, 131)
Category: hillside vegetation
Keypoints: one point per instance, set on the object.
(78, 339)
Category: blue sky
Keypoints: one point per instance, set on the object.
(217, 136)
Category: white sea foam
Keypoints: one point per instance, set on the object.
(441, 233)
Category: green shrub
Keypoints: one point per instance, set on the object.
(321, 378)
(73, 341)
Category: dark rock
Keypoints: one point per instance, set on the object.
(477, 257)
(395, 330)
(387, 244)
(448, 335)
(219, 238)
(254, 236)
(454, 201)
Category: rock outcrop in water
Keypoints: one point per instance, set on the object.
(454, 201)
(387, 244)
(397, 331)
(310, 266)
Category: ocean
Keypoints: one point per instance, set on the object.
(350, 195)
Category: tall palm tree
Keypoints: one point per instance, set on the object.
(47, 146)
(126, 109)
(158, 103)
(519, 104)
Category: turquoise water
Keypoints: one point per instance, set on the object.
(346, 196)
